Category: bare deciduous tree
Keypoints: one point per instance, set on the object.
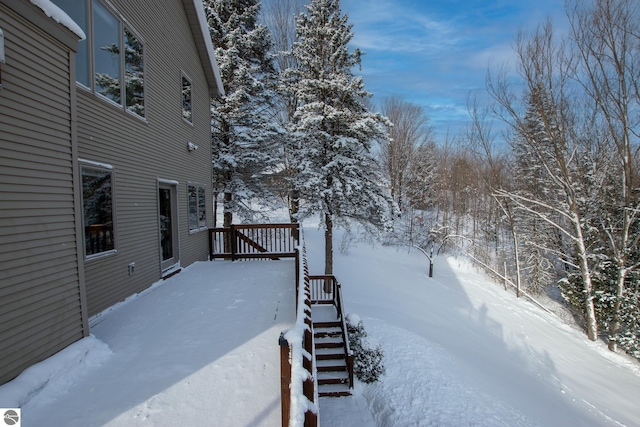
(408, 156)
(607, 38)
(545, 120)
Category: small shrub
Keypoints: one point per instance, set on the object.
(367, 364)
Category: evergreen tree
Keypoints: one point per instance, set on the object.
(532, 181)
(337, 175)
(242, 127)
(280, 17)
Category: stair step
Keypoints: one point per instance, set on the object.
(324, 365)
(330, 351)
(317, 335)
(322, 325)
(327, 332)
(333, 377)
(329, 345)
(328, 340)
(334, 355)
(333, 390)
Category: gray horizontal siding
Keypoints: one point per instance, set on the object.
(40, 311)
(143, 151)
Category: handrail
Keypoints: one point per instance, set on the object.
(254, 241)
(343, 325)
(319, 295)
(298, 380)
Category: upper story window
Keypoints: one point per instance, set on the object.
(106, 52)
(133, 73)
(79, 12)
(112, 54)
(186, 99)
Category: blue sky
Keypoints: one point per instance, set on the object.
(435, 52)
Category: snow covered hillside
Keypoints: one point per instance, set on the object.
(460, 350)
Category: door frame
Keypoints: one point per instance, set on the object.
(174, 261)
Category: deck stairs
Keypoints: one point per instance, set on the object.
(331, 363)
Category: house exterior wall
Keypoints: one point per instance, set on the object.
(42, 300)
(142, 151)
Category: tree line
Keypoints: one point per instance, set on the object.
(541, 188)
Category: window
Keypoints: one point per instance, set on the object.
(106, 52)
(197, 207)
(78, 12)
(186, 99)
(112, 53)
(97, 203)
(133, 73)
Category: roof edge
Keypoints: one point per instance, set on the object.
(200, 28)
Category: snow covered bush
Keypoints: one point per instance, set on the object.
(367, 364)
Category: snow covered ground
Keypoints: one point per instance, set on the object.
(200, 349)
(462, 351)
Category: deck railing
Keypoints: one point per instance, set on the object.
(253, 241)
(326, 289)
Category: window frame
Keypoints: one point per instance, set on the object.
(197, 187)
(101, 167)
(91, 60)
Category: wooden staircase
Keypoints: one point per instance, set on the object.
(330, 349)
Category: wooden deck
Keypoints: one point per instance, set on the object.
(239, 310)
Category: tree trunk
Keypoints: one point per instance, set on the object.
(228, 215)
(516, 255)
(294, 205)
(328, 244)
(615, 324)
(215, 209)
(589, 308)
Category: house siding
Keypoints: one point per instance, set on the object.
(143, 151)
(40, 276)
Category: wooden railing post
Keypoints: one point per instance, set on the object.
(285, 379)
(211, 244)
(308, 387)
(234, 241)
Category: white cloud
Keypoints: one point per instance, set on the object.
(387, 25)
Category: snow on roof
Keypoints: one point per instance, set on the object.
(58, 15)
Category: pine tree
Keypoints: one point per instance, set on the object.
(337, 175)
(242, 126)
(280, 17)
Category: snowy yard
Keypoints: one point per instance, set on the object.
(461, 351)
(200, 349)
